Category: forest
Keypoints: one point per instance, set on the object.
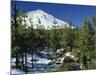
(80, 42)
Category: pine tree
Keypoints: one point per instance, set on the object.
(15, 36)
(54, 41)
(86, 41)
(68, 36)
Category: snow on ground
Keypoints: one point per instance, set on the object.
(41, 63)
(38, 59)
(16, 72)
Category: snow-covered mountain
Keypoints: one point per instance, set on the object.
(40, 18)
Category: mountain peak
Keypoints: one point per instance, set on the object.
(40, 17)
(39, 10)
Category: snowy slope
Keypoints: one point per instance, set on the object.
(41, 18)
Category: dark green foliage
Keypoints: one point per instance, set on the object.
(54, 40)
(86, 43)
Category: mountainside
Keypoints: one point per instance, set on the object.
(40, 18)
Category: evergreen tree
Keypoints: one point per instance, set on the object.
(68, 36)
(86, 41)
(54, 38)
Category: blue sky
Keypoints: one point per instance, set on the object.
(60, 11)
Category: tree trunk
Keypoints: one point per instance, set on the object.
(32, 59)
(22, 62)
(17, 60)
(25, 61)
